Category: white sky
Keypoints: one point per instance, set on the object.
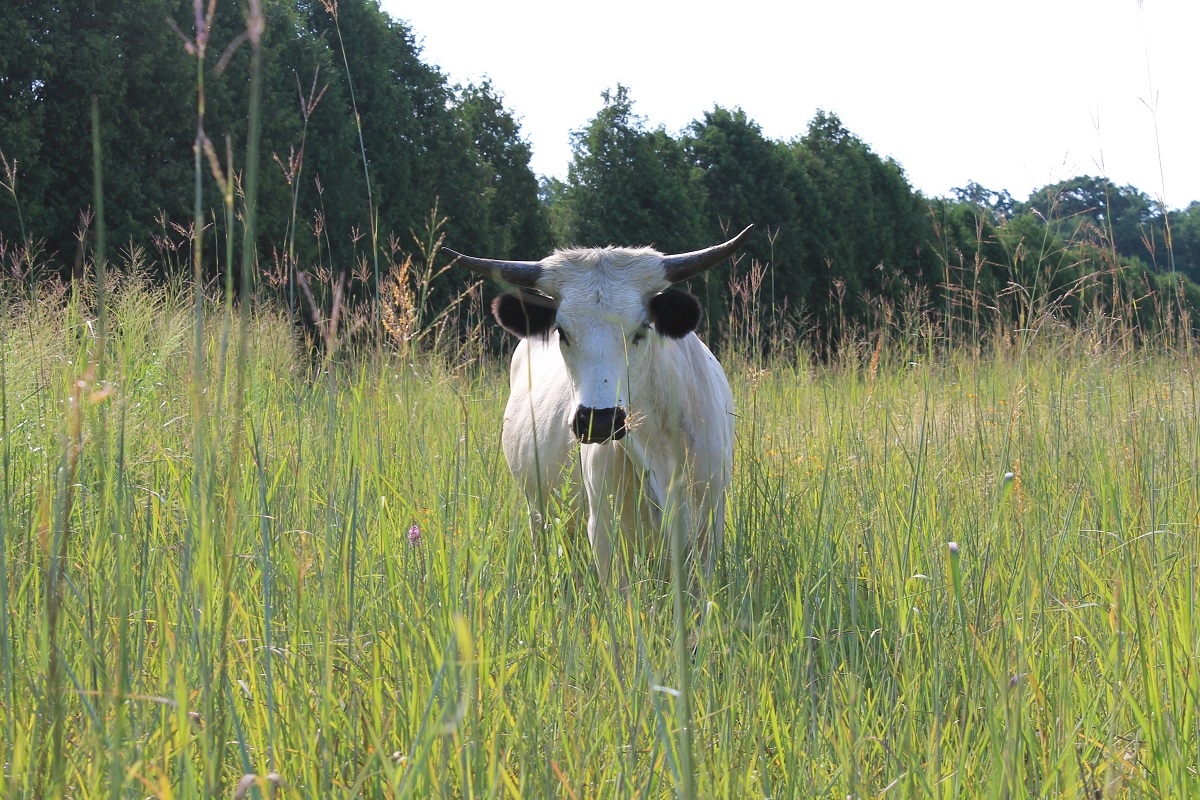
(1013, 94)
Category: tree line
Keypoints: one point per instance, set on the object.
(362, 141)
(425, 140)
(847, 237)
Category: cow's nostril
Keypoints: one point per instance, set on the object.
(597, 425)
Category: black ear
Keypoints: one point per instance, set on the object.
(675, 313)
(524, 314)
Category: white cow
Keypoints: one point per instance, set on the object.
(609, 360)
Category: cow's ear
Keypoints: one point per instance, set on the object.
(524, 315)
(675, 313)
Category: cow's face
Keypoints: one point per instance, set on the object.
(604, 330)
(606, 309)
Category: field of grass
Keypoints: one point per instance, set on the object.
(334, 593)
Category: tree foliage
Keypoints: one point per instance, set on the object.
(54, 56)
(515, 226)
(1185, 240)
(365, 138)
(425, 141)
(1120, 217)
(626, 180)
(838, 227)
(748, 178)
(873, 228)
(844, 237)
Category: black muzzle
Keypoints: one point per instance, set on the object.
(598, 425)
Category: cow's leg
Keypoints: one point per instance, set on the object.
(600, 534)
(607, 486)
(692, 530)
(553, 504)
(677, 531)
(539, 457)
(710, 529)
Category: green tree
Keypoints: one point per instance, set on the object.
(57, 55)
(998, 204)
(417, 153)
(1185, 240)
(748, 178)
(424, 144)
(553, 195)
(518, 225)
(872, 230)
(1094, 209)
(631, 186)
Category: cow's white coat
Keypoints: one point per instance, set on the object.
(674, 465)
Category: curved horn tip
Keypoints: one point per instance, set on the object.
(686, 265)
(741, 237)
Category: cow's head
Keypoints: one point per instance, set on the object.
(604, 307)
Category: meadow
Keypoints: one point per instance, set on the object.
(279, 571)
(242, 556)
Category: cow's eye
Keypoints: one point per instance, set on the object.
(562, 336)
(640, 336)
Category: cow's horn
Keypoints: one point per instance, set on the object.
(518, 273)
(684, 265)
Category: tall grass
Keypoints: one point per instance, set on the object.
(375, 622)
